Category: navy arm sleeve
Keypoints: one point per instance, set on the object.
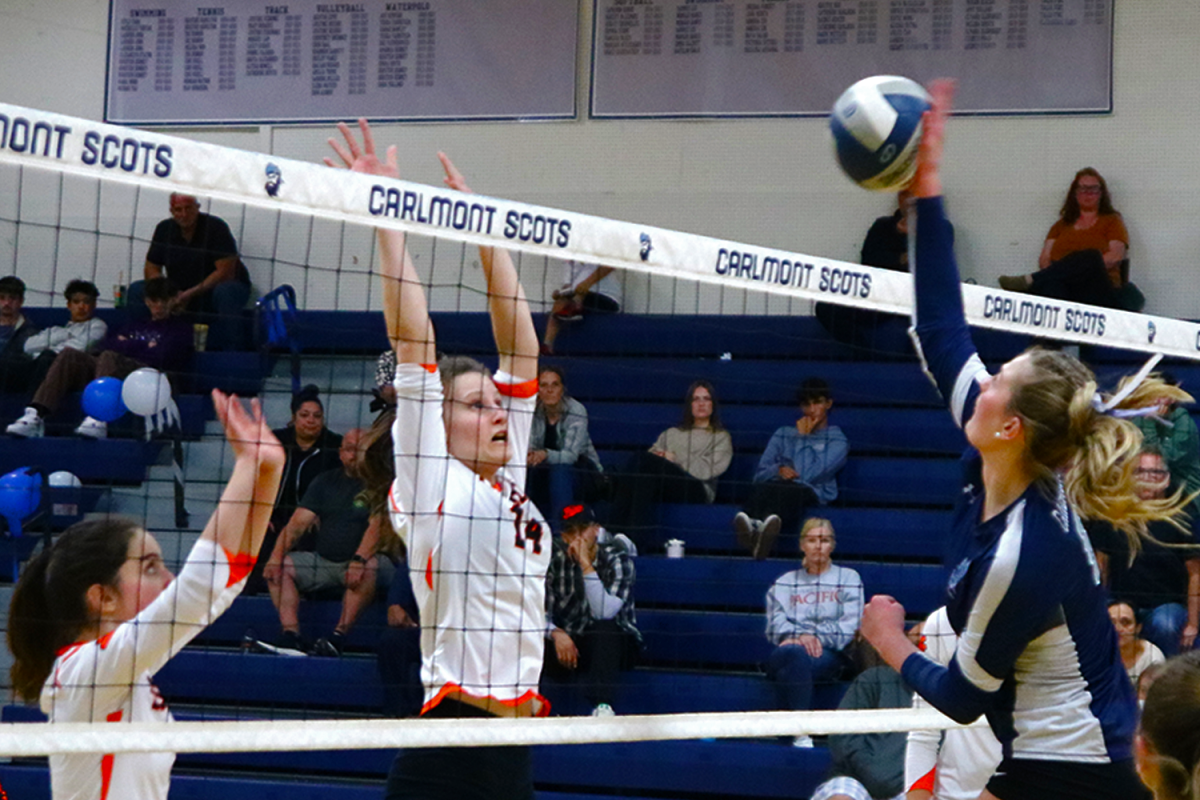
(939, 324)
(945, 688)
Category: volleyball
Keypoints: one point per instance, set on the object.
(876, 126)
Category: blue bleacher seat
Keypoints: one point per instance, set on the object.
(861, 532)
(731, 584)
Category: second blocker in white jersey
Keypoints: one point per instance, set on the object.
(477, 550)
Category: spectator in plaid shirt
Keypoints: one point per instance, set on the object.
(590, 617)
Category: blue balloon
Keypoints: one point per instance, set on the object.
(102, 399)
(20, 495)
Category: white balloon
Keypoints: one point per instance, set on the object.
(64, 478)
(146, 391)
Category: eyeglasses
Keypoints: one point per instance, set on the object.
(1152, 473)
(1088, 189)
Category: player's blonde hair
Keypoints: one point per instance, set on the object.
(1094, 452)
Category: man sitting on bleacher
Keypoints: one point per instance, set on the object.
(346, 554)
(797, 471)
(15, 330)
(591, 621)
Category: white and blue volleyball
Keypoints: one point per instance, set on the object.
(876, 126)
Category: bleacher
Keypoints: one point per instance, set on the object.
(702, 616)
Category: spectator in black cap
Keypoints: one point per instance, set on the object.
(591, 622)
(796, 471)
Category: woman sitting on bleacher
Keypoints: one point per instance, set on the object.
(311, 449)
(812, 615)
(682, 466)
(560, 448)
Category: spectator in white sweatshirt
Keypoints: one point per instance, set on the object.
(812, 615)
(82, 332)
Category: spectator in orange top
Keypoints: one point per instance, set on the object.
(1082, 256)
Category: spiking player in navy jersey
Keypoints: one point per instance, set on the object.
(1037, 653)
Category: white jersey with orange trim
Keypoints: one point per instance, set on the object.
(478, 551)
(954, 764)
(110, 678)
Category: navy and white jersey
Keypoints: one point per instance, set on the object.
(1037, 653)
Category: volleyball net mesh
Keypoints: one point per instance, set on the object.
(82, 200)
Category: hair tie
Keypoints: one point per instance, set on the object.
(1110, 406)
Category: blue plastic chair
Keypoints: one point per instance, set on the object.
(277, 326)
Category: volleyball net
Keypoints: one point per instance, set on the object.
(82, 199)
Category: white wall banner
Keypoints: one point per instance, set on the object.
(697, 58)
(184, 62)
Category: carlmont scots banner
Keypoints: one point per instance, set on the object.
(74, 146)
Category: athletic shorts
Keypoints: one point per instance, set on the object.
(314, 573)
(461, 773)
(1017, 779)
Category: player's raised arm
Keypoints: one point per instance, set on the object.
(512, 323)
(405, 311)
(240, 521)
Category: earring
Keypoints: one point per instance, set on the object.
(998, 434)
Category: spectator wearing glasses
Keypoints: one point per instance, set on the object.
(1082, 256)
(1162, 584)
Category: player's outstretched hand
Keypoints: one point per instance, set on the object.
(928, 180)
(247, 431)
(454, 179)
(362, 158)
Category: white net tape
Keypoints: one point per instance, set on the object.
(237, 737)
(80, 147)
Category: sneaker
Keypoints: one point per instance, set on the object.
(745, 529)
(570, 312)
(254, 645)
(92, 428)
(603, 710)
(802, 741)
(331, 646)
(766, 535)
(29, 426)
(1014, 283)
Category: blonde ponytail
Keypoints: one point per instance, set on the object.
(1070, 432)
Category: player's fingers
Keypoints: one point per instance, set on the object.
(368, 137)
(329, 161)
(220, 405)
(342, 152)
(391, 158)
(351, 142)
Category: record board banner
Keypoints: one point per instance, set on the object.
(183, 62)
(700, 58)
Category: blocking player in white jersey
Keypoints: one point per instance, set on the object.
(95, 616)
(477, 548)
(954, 764)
